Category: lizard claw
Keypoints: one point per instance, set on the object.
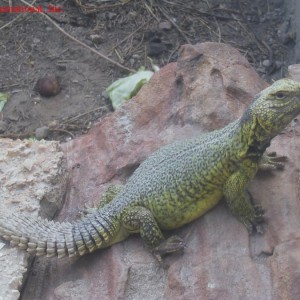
(259, 213)
(270, 161)
(171, 245)
(254, 223)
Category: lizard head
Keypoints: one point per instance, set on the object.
(276, 106)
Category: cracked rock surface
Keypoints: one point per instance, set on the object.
(32, 183)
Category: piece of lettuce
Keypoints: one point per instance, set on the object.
(3, 99)
(125, 88)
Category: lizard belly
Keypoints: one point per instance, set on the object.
(175, 217)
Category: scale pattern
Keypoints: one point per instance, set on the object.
(177, 184)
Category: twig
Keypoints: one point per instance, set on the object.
(92, 8)
(131, 34)
(63, 131)
(250, 33)
(172, 53)
(256, 38)
(12, 21)
(175, 25)
(119, 55)
(15, 19)
(233, 11)
(194, 9)
(135, 48)
(151, 12)
(79, 42)
(83, 114)
(217, 23)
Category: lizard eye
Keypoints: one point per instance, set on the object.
(280, 95)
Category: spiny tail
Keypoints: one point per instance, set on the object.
(42, 237)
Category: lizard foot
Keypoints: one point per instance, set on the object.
(270, 161)
(170, 245)
(254, 223)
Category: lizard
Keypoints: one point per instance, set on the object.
(174, 186)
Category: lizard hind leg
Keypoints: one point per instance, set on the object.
(110, 194)
(140, 220)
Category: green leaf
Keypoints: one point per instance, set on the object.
(3, 99)
(125, 88)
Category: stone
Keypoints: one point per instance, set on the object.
(32, 182)
(165, 25)
(96, 39)
(266, 63)
(209, 86)
(41, 132)
(294, 72)
(36, 40)
(3, 126)
(111, 15)
(285, 34)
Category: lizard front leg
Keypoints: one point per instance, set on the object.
(270, 161)
(239, 202)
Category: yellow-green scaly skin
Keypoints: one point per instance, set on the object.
(174, 186)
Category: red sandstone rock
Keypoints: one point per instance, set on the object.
(210, 86)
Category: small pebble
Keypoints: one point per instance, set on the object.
(41, 133)
(266, 63)
(132, 61)
(36, 40)
(96, 39)
(111, 15)
(133, 14)
(53, 124)
(285, 34)
(104, 94)
(165, 25)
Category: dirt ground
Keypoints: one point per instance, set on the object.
(129, 32)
